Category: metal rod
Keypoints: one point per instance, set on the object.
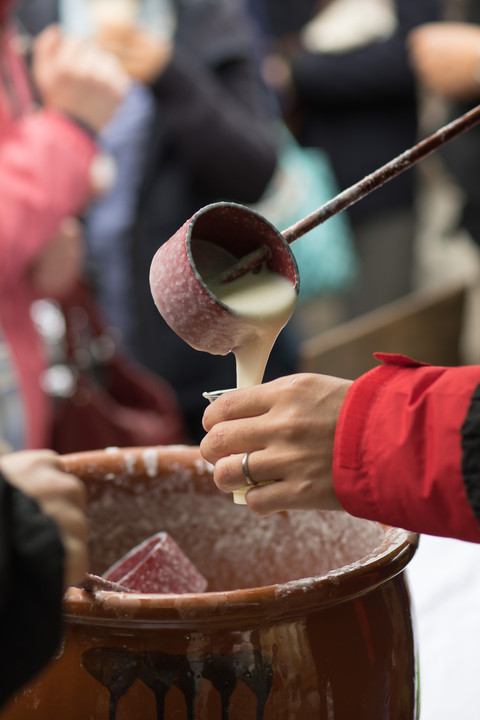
(246, 264)
(387, 172)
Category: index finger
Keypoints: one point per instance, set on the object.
(236, 404)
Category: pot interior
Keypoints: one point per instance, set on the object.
(136, 493)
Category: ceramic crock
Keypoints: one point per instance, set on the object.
(180, 293)
(306, 617)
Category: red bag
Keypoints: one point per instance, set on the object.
(113, 401)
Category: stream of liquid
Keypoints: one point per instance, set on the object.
(264, 299)
(267, 301)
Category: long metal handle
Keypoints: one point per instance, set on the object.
(387, 172)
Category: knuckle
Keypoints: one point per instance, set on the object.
(289, 426)
(216, 438)
(221, 472)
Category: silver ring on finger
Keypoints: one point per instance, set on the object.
(246, 472)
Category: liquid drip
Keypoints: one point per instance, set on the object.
(265, 299)
(117, 669)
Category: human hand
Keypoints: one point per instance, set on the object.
(61, 496)
(78, 78)
(143, 56)
(287, 426)
(60, 263)
(446, 58)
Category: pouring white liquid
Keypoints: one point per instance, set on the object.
(266, 300)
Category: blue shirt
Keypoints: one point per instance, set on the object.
(109, 220)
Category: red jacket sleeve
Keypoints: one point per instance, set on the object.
(398, 447)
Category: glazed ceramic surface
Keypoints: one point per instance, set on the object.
(306, 617)
(182, 297)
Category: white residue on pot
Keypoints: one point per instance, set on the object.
(231, 547)
(150, 460)
(130, 461)
(202, 466)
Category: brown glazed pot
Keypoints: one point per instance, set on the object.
(307, 615)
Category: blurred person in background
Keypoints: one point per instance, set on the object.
(195, 128)
(46, 158)
(45, 176)
(446, 60)
(342, 74)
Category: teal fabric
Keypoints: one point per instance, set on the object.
(303, 182)
(157, 15)
(12, 420)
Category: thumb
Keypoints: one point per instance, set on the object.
(47, 42)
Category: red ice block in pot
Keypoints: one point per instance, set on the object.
(157, 565)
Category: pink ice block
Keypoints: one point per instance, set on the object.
(157, 565)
